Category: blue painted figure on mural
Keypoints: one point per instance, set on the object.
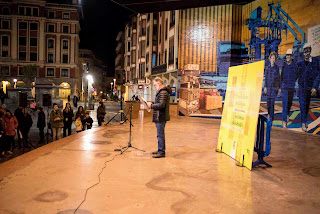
(308, 80)
(289, 76)
(272, 83)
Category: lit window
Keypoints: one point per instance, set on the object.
(64, 72)
(65, 15)
(50, 72)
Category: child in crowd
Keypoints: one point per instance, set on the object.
(88, 121)
(78, 124)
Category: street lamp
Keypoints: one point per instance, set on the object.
(114, 80)
(90, 82)
(15, 83)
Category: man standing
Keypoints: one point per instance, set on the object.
(308, 80)
(41, 123)
(288, 78)
(56, 121)
(160, 114)
(75, 101)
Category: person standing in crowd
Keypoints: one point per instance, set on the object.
(88, 121)
(11, 124)
(78, 124)
(101, 112)
(25, 125)
(67, 120)
(82, 114)
(75, 101)
(160, 114)
(41, 123)
(56, 121)
(69, 98)
(308, 81)
(19, 115)
(289, 76)
(2, 96)
(2, 133)
(272, 83)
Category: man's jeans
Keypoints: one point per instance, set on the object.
(161, 138)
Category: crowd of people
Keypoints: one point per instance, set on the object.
(59, 122)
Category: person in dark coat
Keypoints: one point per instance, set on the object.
(67, 120)
(272, 83)
(2, 134)
(41, 124)
(160, 114)
(88, 121)
(288, 82)
(82, 114)
(75, 101)
(308, 81)
(2, 96)
(26, 125)
(19, 115)
(101, 112)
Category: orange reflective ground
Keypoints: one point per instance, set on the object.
(191, 179)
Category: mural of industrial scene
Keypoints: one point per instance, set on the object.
(211, 39)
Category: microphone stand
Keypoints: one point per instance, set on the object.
(130, 133)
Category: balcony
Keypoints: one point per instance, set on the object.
(159, 69)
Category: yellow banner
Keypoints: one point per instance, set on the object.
(240, 112)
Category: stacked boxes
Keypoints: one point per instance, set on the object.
(189, 90)
(210, 99)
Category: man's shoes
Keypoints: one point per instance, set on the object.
(158, 155)
(284, 124)
(154, 153)
(304, 127)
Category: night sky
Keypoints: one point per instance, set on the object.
(102, 21)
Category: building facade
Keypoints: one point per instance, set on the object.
(119, 64)
(43, 35)
(97, 69)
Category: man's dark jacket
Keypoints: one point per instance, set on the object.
(161, 105)
(41, 123)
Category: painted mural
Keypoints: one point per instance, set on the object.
(286, 34)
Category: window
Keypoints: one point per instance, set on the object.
(22, 56)
(154, 59)
(6, 11)
(5, 54)
(22, 41)
(143, 48)
(28, 9)
(147, 58)
(34, 42)
(21, 10)
(160, 35)
(5, 70)
(129, 32)
(35, 11)
(65, 29)
(65, 16)
(133, 56)
(65, 44)
(51, 15)
(148, 35)
(33, 26)
(23, 25)
(33, 56)
(166, 30)
(129, 48)
(50, 72)
(172, 18)
(128, 60)
(5, 24)
(51, 28)
(64, 72)
(50, 43)
(65, 58)
(5, 40)
(165, 57)
(171, 51)
(20, 71)
(50, 58)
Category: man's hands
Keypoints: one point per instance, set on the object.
(265, 90)
(149, 104)
(57, 118)
(313, 92)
